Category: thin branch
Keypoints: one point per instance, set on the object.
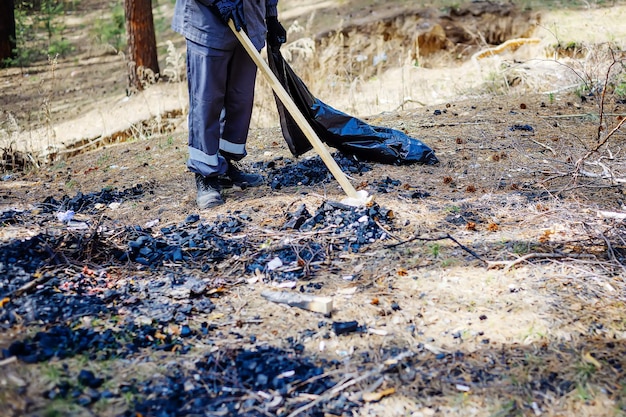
(577, 115)
(435, 239)
(543, 145)
(604, 141)
(386, 231)
(8, 360)
(509, 264)
(603, 97)
(408, 100)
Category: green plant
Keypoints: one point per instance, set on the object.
(59, 47)
(445, 263)
(129, 398)
(60, 407)
(620, 87)
(583, 89)
(103, 159)
(38, 32)
(48, 20)
(583, 391)
(521, 248)
(111, 30)
(508, 409)
(435, 249)
(51, 373)
(168, 142)
(584, 371)
(24, 34)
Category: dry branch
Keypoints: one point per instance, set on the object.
(509, 264)
(435, 239)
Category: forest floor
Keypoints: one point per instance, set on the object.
(489, 284)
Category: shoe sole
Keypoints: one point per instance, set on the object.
(209, 204)
(228, 183)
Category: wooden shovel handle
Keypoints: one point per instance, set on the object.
(299, 118)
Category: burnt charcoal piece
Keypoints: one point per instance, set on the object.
(64, 342)
(311, 171)
(296, 219)
(185, 331)
(387, 185)
(11, 217)
(192, 218)
(269, 368)
(463, 218)
(345, 327)
(524, 128)
(88, 379)
(420, 194)
(191, 241)
(87, 202)
(283, 374)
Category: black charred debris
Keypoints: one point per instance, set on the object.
(65, 274)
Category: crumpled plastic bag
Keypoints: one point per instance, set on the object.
(346, 133)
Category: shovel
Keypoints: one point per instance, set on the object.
(355, 198)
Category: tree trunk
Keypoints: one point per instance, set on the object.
(7, 30)
(142, 51)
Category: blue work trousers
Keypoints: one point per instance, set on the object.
(221, 95)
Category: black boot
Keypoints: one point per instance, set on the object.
(235, 176)
(209, 192)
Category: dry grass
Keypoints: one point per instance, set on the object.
(539, 334)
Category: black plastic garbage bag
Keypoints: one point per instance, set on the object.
(346, 133)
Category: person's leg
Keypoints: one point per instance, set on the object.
(235, 118)
(207, 71)
(207, 77)
(238, 102)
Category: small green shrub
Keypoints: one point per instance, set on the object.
(111, 30)
(620, 87)
(38, 32)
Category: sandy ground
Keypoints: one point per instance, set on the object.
(545, 300)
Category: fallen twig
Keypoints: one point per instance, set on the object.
(434, 239)
(543, 145)
(609, 246)
(576, 115)
(386, 231)
(8, 360)
(537, 255)
(43, 278)
(408, 100)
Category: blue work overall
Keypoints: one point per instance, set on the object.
(221, 78)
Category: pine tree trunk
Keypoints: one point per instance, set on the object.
(142, 51)
(7, 30)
